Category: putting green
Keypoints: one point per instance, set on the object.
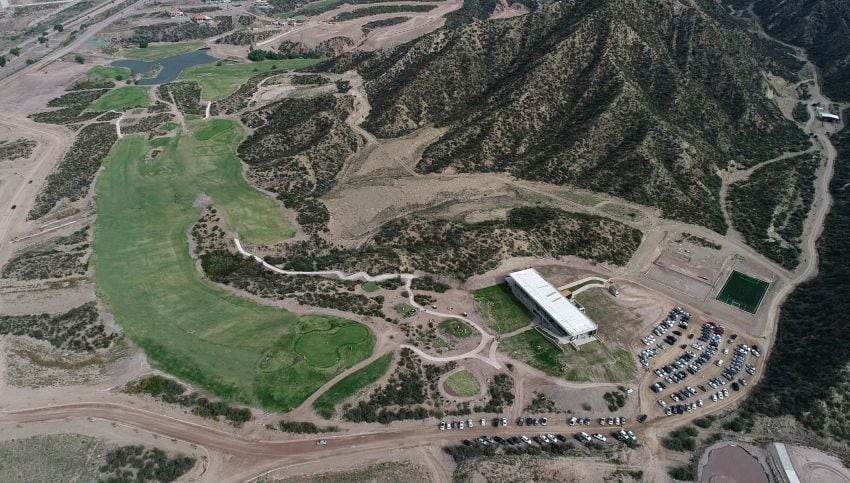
(186, 325)
(325, 348)
(462, 384)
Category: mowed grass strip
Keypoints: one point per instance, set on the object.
(500, 310)
(595, 362)
(187, 326)
(219, 81)
(122, 98)
(159, 50)
(462, 384)
(743, 291)
(325, 405)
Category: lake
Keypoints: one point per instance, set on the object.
(169, 68)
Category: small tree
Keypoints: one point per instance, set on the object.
(42, 40)
(2, 60)
(58, 27)
(143, 44)
(30, 61)
(80, 59)
(16, 51)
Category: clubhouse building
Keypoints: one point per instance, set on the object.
(553, 312)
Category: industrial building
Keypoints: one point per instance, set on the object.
(553, 312)
(823, 115)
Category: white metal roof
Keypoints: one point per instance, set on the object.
(548, 298)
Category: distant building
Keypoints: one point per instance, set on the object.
(553, 312)
(202, 19)
(826, 116)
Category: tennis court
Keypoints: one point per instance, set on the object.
(743, 292)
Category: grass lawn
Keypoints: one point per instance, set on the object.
(370, 286)
(219, 81)
(457, 328)
(351, 385)
(102, 72)
(122, 98)
(462, 384)
(743, 292)
(595, 362)
(187, 326)
(405, 310)
(159, 51)
(500, 309)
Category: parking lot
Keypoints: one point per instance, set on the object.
(695, 363)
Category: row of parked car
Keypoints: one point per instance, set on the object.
(503, 421)
(532, 421)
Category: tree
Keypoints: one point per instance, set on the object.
(2, 60)
(42, 39)
(143, 44)
(80, 59)
(58, 27)
(30, 61)
(16, 51)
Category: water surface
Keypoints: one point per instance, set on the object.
(169, 69)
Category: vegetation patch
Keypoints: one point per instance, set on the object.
(683, 439)
(501, 395)
(770, 207)
(219, 81)
(595, 362)
(172, 392)
(18, 149)
(541, 403)
(122, 98)
(457, 328)
(380, 9)
(71, 178)
(58, 258)
(370, 287)
(73, 105)
(462, 384)
(78, 330)
(410, 393)
(800, 113)
(743, 291)
(136, 463)
(200, 333)
(309, 79)
(187, 96)
(500, 309)
(428, 284)
(351, 385)
(387, 22)
(615, 400)
(304, 427)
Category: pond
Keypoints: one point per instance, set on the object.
(167, 69)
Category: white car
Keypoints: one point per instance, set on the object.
(460, 425)
(504, 421)
(599, 437)
(573, 421)
(544, 438)
(442, 426)
(483, 422)
(525, 439)
(321, 442)
(469, 423)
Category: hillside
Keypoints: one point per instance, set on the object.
(823, 28)
(646, 107)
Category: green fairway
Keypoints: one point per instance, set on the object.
(743, 292)
(101, 73)
(456, 328)
(351, 385)
(186, 325)
(594, 362)
(122, 98)
(500, 309)
(219, 81)
(463, 384)
(159, 51)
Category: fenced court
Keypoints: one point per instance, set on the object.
(743, 292)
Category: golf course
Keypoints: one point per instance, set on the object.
(187, 326)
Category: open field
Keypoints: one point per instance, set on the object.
(219, 81)
(595, 362)
(462, 384)
(122, 98)
(352, 384)
(159, 51)
(370, 287)
(743, 292)
(500, 309)
(187, 326)
(456, 328)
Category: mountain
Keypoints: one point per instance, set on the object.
(823, 28)
(644, 99)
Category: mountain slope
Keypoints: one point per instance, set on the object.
(823, 28)
(643, 99)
